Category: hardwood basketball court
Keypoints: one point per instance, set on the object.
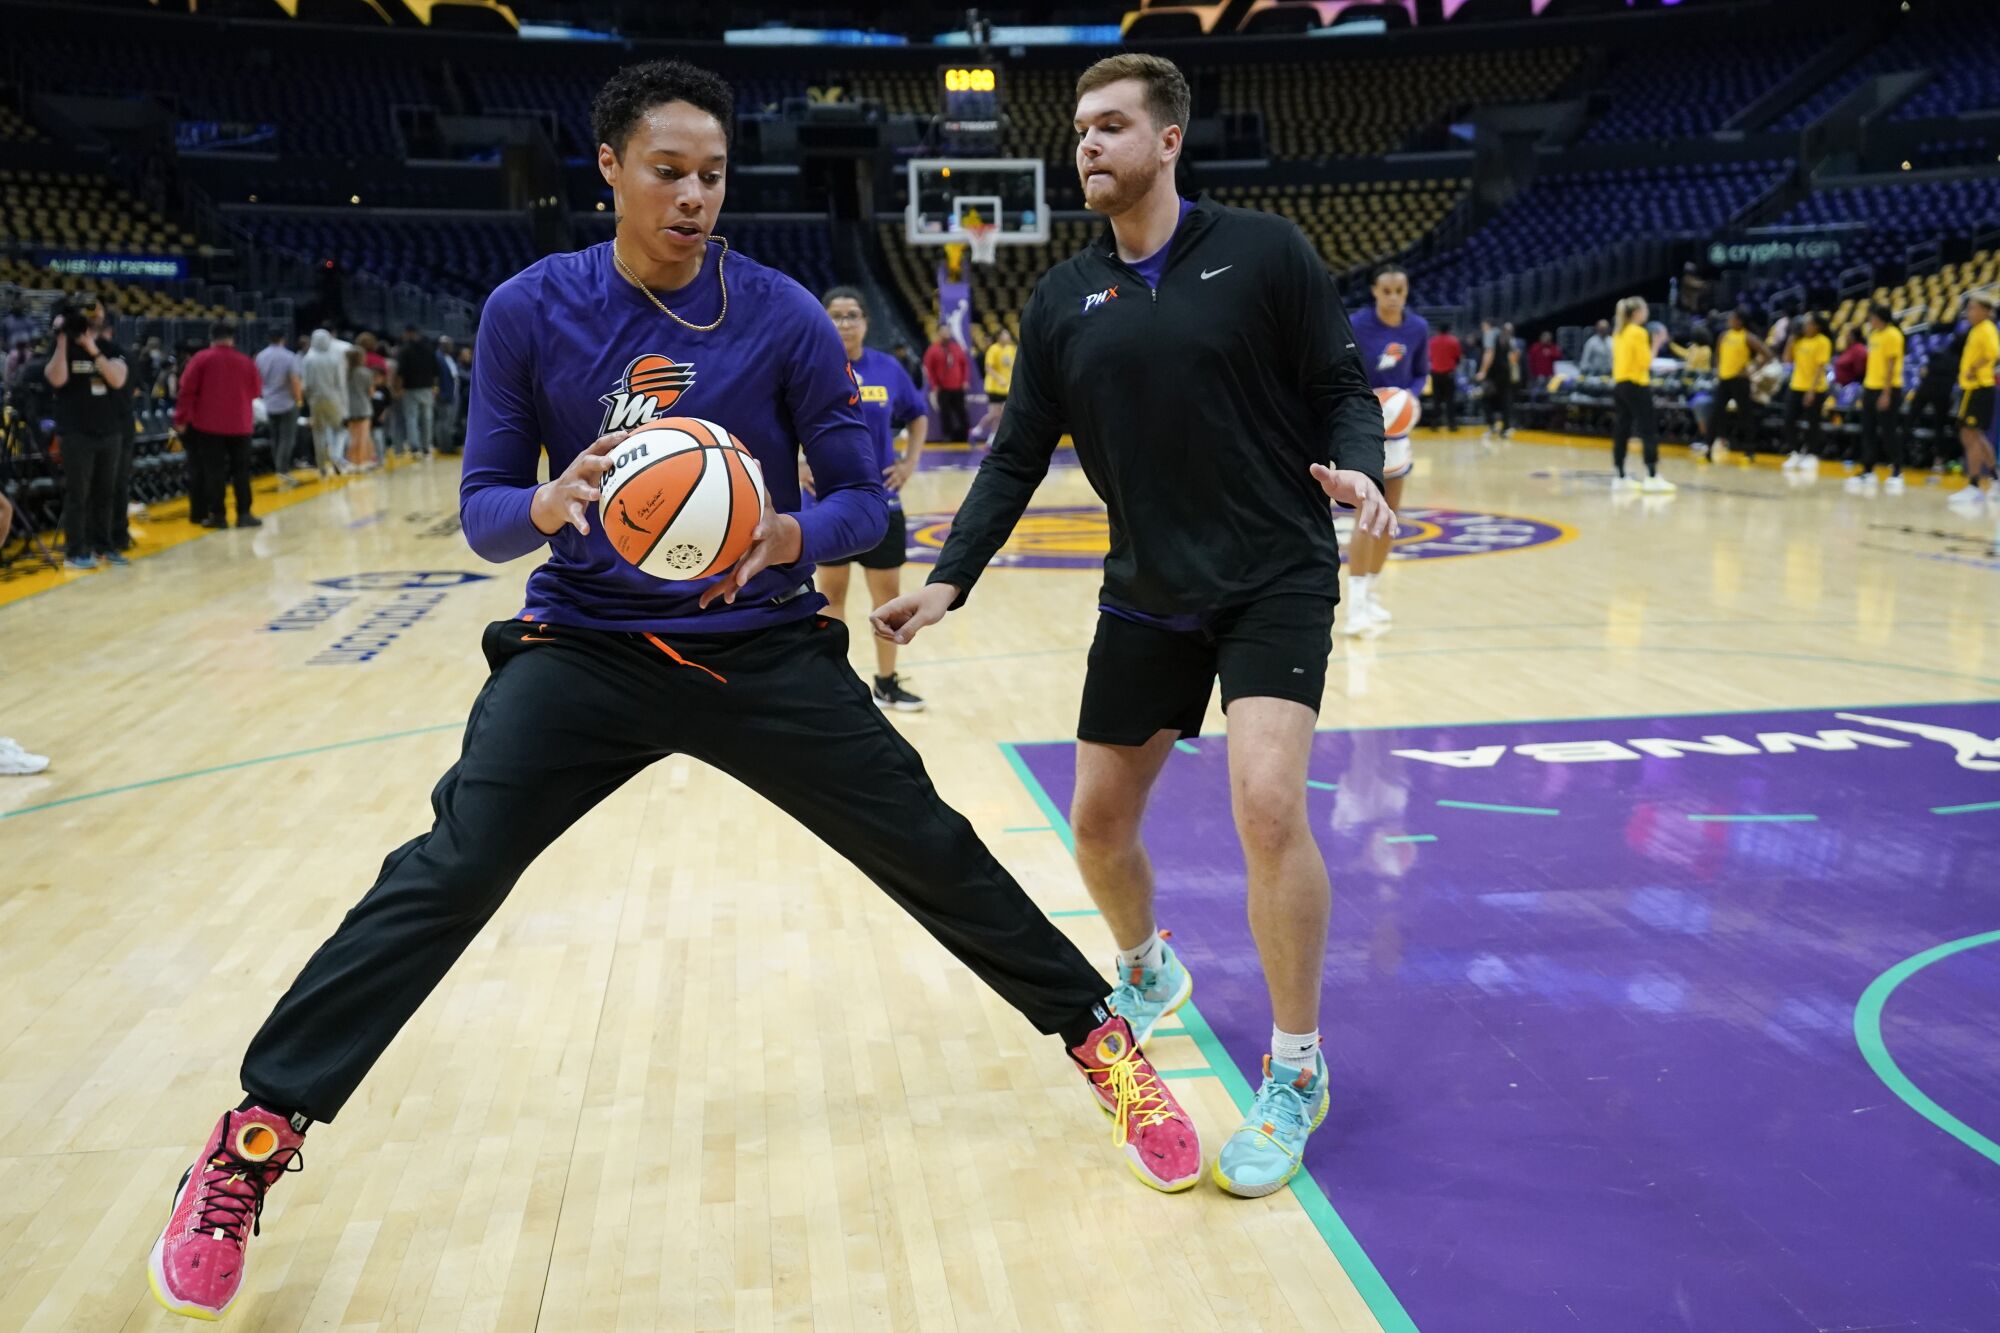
(699, 1074)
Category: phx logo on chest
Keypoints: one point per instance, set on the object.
(650, 385)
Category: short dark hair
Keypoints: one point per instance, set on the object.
(637, 89)
(277, 335)
(844, 294)
(1168, 101)
(1881, 311)
(222, 329)
(1444, 326)
(1384, 270)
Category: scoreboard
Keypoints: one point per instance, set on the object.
(970, 99)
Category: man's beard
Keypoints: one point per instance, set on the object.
(1127, 189)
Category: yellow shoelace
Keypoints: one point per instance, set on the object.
(1138, 1095)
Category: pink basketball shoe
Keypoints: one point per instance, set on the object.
(1157, 1136)
(197, 1263)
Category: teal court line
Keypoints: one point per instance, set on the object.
(1322, 786)
(1499, 809)
(1170, 1032)
(1965, 809)
(1031, 828)
(1347, 1252)
(1203, 1072)
(1187, 747)
(1868, 1036)
(1079, 911)
(224, 768)
(1410, 837)
(1754, 819)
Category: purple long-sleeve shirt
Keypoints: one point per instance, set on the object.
(569, 350)
(1395, 358)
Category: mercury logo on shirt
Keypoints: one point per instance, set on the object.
(650, 385)
(1096, 299)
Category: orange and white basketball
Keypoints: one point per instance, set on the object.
(682, 498)
(1400, 412)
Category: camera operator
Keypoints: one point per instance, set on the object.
(86, 370)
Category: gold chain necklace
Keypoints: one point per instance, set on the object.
(721, 278)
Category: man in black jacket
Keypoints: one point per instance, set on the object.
(1202, 360)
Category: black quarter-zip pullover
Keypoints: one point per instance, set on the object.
(1196, 408)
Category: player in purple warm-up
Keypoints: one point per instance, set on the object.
(1396, 352)
(607, 669)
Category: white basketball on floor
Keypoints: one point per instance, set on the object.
(1400, 412)
(682, 498)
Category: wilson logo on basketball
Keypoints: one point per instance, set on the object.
(650, 385)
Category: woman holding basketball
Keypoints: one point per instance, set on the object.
(1395, 350)
(607, 668)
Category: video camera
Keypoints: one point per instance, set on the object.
(76, 315)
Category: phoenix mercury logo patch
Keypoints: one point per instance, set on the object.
(650, 385)
(1096, 299)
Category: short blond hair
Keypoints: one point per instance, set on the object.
(1168, 101)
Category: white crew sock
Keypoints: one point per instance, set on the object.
(1361, 587)
(1146, 957)
(1300, 1050)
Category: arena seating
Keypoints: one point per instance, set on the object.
(1683, 89)
(463, 256)
(1573, 213)
(344, 109)
(1965, 73)
(1353, 222)
(138, 300)
(1958, 40)
(1359, 108)
(13, 129)
(59, 209)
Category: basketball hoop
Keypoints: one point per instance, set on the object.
(983, 238)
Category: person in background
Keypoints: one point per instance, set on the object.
(86, 373)
(999, 361)
(912, 364)
(1496, 380)
(1975, 408)
(1632, 396)
(360, 410)
(1881, 397)
(1394, 343)
(1446, 353)
(450, 397)
(1596, 358)
(323, 372)
(891, 404)
(948, 369)
(1734, 353)
(14, 761)
(278, 369)
(381, 397)
(17, 325)
(414, 380)
(1852, 363)
(1811, 351)
(465, 363)
(1542, 358)
(215, 414)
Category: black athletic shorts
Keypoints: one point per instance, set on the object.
(892, 552)
(1143, 680)
(1977, 410)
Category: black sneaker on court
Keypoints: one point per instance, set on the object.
(889, 693)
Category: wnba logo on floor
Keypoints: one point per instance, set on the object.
(413, 594)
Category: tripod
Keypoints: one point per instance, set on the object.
(25, 549)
